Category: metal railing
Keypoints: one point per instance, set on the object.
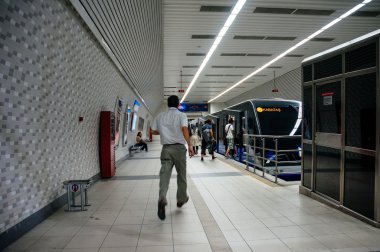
(255, 146)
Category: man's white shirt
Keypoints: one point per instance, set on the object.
(169, 124)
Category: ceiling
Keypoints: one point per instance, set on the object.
(153, 41)
(258, 34)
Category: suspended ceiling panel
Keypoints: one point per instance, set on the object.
(262, 30)
(131, 32)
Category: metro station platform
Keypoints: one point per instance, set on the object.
(229, 210)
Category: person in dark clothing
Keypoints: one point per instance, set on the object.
(207, 139)
(140, 142)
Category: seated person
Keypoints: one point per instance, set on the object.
(140, 142)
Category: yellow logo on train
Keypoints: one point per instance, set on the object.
(260, 109)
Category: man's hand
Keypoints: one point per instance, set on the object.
(191, 150)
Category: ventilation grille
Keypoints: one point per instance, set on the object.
(294, 55)
(280, 38)
(195, 54)
(226, 75)
(322, 39)
(313, 12)
(222, 67)
(233, 54)
(263, 38)
(203, 36)
(259, 54)
(250, 37)
(246, 54)
(366, 13)
(233, 66)
(215, 8)
(127, 27)
(273, 10)
(216, 81)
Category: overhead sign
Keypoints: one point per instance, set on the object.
(193, 107)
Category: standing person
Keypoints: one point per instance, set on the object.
(171, 125)
(229, 129)
(207, 139)
(195, 138)
(140, 142)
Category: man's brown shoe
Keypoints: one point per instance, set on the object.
(161, 210)
(180, 204)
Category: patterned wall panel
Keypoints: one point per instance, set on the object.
(52, 70)
(132, 30)
(289, 86)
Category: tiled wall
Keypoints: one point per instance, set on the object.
(52, 70)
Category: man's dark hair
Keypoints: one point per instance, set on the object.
(173, 101)
(231, 120)
(208, 121)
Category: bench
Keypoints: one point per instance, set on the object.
(73, 186)
(135, 148)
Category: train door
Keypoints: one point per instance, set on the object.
(239, 134)
(215, 129)
(223, 123)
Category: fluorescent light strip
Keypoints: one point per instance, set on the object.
(222, 32)
(343, 45)
(346, 14)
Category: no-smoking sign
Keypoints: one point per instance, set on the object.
(74, 187)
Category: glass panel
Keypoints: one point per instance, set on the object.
(359, 183)
(306, 165)
(127, 115)
(278, 117)
(307, 73)
(328, 114)
(361, 111)
(328, 67)
(361, 58)
(328, 171)
(307, 112)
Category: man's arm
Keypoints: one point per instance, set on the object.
(185, 133)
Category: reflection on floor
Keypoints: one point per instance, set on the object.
(228, 210)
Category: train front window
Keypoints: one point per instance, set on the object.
(279, 120)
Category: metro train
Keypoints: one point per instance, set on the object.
(263, 116)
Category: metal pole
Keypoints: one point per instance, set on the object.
(68, 197)
(85, 197)
(276, 154)
(263, 157)
(254, 154)
(73, 198)
(81, 197)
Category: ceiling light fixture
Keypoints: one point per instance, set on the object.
(344, 15)
(222, 32)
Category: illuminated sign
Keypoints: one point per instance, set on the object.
(193, 107)
(261, 109)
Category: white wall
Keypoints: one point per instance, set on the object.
(217, 106)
